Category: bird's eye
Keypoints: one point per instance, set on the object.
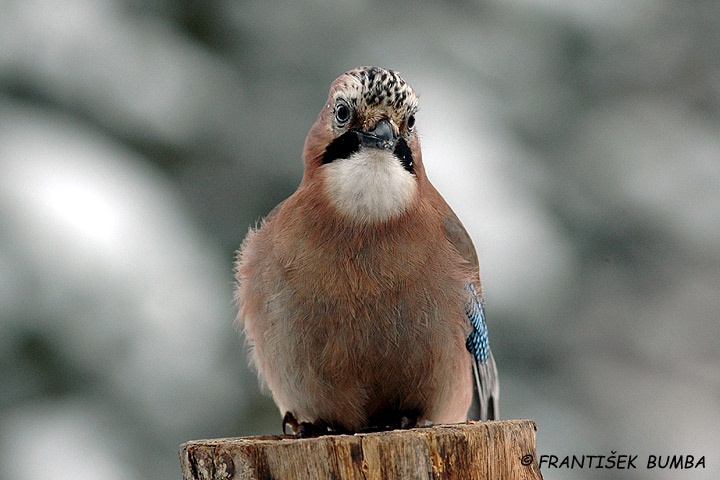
(342, 113)
(411, 122)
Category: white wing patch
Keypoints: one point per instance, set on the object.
(369, 186)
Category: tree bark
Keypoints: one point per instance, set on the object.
(472, 450)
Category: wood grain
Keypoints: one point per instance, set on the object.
(472, 450)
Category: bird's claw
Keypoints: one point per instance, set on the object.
(305, 429)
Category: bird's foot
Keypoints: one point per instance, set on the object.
(398, 420)
(289, 419)
(307, 429)
(395, 421)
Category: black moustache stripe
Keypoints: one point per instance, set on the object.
(403, 153)
(342, 147)
(349, 143)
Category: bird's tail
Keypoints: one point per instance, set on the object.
(487, 391)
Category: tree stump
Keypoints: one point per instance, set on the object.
(467, 451)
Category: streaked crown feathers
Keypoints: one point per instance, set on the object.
(367, 89)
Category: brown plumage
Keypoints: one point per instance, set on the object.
(352, 291)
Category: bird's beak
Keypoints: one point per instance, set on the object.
(380, 136)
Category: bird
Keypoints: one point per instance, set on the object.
(359, 295)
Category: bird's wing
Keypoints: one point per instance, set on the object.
(485, 403)
(484, 369)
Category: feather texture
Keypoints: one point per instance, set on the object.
(484, 369)
(360, 294)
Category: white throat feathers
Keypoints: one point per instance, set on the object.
(369, 186)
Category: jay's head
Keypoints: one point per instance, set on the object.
(363, 152)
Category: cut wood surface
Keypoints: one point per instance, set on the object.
(472, 450)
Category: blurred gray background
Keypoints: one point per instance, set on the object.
(578, 141)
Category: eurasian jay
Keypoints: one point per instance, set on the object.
(360, 294)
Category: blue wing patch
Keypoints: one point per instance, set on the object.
(477, 342)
